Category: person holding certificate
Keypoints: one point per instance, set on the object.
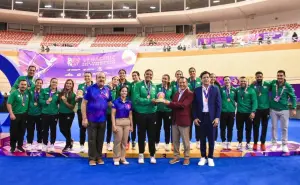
(164, 92)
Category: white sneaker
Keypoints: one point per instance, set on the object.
(51, 148)
(152, 160)
(141, 159)
(274, 147)
(40, 147)
(45, 148)
(156, 146)
(109, 147)
(191, 146)
(125, 162)
(202, 161)
(116, 163)
(81, 149)
(280, 148)
(29, 147)
(211, 162)
(167, 147)
(198, 144)
(224, 145)
(240, 146)
(248, 146)
(285, 148)
(228, 145)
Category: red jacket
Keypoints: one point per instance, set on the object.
(181, 114)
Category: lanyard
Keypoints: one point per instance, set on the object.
(148, 87)
(193, 83)
(206, 92)
(23, 96)
(228, 93)
(259, 87)
(164, 90)
(281, 91)
(36, 96)
(243, 93)
(28, 81)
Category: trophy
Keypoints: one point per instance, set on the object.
(160, 97)
(79, 94)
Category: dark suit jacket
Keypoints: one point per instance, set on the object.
(181, 114)
(214, 103)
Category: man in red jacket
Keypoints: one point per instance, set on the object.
(181, 120)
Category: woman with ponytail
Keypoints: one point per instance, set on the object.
(66, 112)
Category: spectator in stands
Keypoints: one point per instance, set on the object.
(260, 40)
(295, 37)
(150, 42)
(47, 49)
(179, 47)
(165, 48)
(204, 46)
(269, 40)
(169, 47)
(184, 48)
(213, 45)
(42, 48)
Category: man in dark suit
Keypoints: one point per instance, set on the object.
(181, 119)
(206, 112)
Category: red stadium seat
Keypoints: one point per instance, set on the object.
(115, 40)
(15, 37)
(163, 39)
(61, 39)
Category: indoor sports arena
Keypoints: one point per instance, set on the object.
(149, 91)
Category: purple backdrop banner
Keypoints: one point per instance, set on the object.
(73, 66)
(273, 35)
(216, 40)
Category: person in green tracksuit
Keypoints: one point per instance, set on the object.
(282, 92)
(66, 115)
(34, 118)
(29, 79)
(246, 108)
(262, 113)
(193, 83)
(175, 84)
(113, 89)
(136, 79)
(146, 109)
(163, 112)
(49, 100)
(228, 96)
(122, 82)
(213, 81)
(17, 106)
(81, 91)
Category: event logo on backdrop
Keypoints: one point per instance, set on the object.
(64, 66)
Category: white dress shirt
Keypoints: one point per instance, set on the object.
(181, 93)
(205, 104)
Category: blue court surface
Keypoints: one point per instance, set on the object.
(228, 171)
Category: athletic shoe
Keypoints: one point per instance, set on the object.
(124, 162)
(186, 162)
(92, 163)
(141, 159)
(29, 147)
(133, 145)
(109, 147)
(280, 148)
(116, 163)
(12, 149)
(285, 148)
(167, 147)
(229, 146)
(66, 148)
(202, 161)
(224, 145)
(174, 160)
(152, 160)
(198, 144)
(240, 146)
(255, 147)
(248, 146)
(274, 147)
(40, 147)
(211, 162)
(21, 149)
(263, 147)
(81, 149)
(156, 146)
(51, 148)
(100, 161)
(72, 143)
(45, 148)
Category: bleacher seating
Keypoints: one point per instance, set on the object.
(217, 34)
(15, 37)
(114, 40)
(163, 39)
(72, 40)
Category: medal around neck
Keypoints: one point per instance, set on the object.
(160, 97)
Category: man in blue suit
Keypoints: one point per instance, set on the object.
(207, 111)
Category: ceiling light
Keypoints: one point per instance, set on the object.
(126, 7)
(48, 6)
(152, 7)
(216, 1)
(109, 15)
(187, 8)
(19, 2)
(62, 14)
